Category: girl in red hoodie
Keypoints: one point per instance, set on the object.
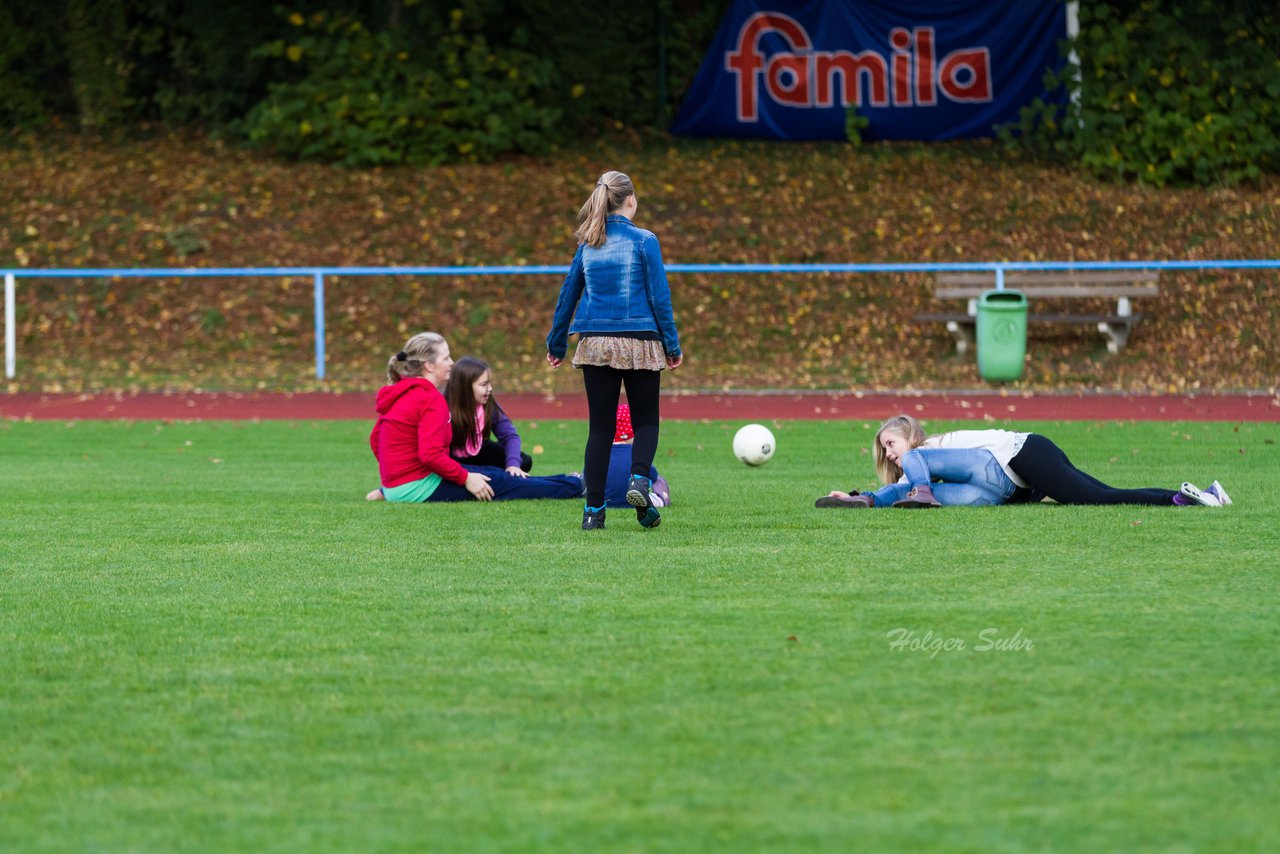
(412, 436)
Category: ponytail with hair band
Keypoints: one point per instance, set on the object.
(595, 213)
(418, 350)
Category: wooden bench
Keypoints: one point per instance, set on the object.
(1120, 285)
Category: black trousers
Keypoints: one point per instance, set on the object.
(1046, 467)
(604, 385)
(492, 454)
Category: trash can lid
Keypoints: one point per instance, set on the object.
(1003, 299)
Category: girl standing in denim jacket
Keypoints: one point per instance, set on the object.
(617, 300)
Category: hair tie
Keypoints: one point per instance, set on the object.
(401, 356)
(602, 184)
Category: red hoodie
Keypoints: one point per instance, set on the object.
(411, 438)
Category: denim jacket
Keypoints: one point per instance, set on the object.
(618, 287)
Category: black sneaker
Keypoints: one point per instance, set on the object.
(648, 517)
(638, 497)
(593, 518)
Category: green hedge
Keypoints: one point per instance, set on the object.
(1168, 93)
(33, 67)
(364, 98)
(357, 81)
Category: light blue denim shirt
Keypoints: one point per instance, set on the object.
(618, 287)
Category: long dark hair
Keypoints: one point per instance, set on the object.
(461, 397)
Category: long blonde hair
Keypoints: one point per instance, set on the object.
(419, 350)
(904, 427)
(612, 190)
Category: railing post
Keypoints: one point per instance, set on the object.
(1000, 278)
(10, 328)
(319, 280)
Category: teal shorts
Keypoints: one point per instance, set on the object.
(413, 492)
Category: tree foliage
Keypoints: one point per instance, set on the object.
(1166, 93)
(356, 81)
(369, 98)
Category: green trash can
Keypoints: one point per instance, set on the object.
(1002, 335)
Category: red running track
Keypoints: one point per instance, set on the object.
(948, 406)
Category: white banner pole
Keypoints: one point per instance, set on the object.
(1073, 33)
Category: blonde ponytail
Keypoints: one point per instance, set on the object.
(418, 351)
(611, 191)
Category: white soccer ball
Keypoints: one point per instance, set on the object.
(753, 444)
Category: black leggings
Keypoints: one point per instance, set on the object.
(493, 454)
(1043, 464)
(603, 386)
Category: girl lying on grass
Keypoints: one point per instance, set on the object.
(412, 435)
(983, 467)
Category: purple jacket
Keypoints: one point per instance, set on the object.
(507, 437)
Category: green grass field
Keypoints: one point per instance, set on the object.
(211, 642)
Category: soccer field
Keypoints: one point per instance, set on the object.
(212, 642)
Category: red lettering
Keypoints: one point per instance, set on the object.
(852, 67)
(925, 92)
(796, 67)
(802, 77)
(747, 61)
(901, 41)
(973, 63)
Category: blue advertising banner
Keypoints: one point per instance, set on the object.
(916, 69)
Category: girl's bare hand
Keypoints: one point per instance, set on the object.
(478, 486)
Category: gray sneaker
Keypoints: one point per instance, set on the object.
(851, 503)
(1204, 498)
(1217, 490)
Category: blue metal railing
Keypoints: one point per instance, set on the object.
(318, 275)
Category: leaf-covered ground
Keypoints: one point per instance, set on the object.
(189, 201)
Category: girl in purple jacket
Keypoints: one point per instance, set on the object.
(474, 415)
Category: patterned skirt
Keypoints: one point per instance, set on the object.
(623, 354)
